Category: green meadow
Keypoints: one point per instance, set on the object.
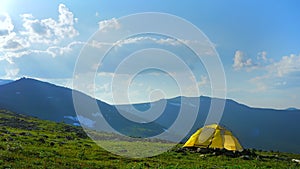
(28, 142)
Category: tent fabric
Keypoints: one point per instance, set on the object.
(214, 136)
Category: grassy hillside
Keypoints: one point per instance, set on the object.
(27, 142)
(254, 127)
(50, 102)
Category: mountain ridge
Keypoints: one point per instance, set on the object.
(255, 127)
(5, 81)
(28, 142)
(171, 98)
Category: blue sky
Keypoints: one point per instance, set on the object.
(257, 41)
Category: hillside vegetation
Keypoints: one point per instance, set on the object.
(254, 127)
(28, 142)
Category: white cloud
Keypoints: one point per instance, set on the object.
(260, 83)
(240, 61)
(283, 83)
(46, 37)
(203, 48)
(66, 22)
(262, 56)
(105, 25)
(97, 44)
(6, 26)
(283, 73)
(9, 56)
(49, 30)
(11, 73)
(143, 39)
(168, 41)
(120, 43)
(203, 81)
(135, 40)
(58, 50)
(104, 88)
(106, 74)
(38, 31)
(287, 65)
(9, 41)
(161, 41)
(12, 45)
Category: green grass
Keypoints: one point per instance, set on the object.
(135, 149)
(27, 142)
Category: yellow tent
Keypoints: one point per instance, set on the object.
(214, 136)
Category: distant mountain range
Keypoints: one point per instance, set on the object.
(50, 102)
(258, 128)
(5, 81)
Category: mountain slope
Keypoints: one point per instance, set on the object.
(266, 129)
(28, 142)
(38, 99)
(4, 81)
(50, 102)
